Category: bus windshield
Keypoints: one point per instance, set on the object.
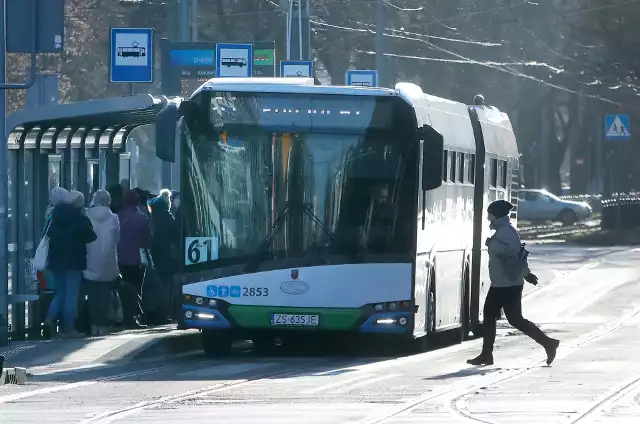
(259, 189)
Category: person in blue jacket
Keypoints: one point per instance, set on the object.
(58, 196)
(69, 233)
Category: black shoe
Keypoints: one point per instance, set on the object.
(481, 360)
(552, 350)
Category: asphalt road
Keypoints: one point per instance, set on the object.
(589, 299)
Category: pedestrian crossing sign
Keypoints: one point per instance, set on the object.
(617, 127)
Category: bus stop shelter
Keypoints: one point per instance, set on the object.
(79, 146)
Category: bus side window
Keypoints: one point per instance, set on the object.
(445, 162)
(460, 171)
(452, 167)
(493, 172)
(504, 174)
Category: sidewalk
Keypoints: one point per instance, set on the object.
(128, 345)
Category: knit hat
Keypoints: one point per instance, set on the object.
(59, 196)
(76, 198)
(101, 198)
(500, 208)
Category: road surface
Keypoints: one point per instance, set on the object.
(589, 299)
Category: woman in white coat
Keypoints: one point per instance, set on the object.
(102, 260)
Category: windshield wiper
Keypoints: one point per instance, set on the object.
(255, 258)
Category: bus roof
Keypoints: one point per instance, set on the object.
(288, 85)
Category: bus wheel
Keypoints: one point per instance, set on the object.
(423, 344)
(264, 346)
(216, 343)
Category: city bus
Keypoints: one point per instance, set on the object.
(312, 210)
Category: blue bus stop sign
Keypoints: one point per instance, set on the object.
(131, 57)
(362, 78)
(617, 127)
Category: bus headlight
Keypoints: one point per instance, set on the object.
(379, 307)
(213, 303)
(199, 300)
(188, 315)
(393, 306)
(402, 321)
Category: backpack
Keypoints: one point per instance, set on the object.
(517, 267)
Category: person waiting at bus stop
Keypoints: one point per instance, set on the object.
(506, 292)
(69, 233)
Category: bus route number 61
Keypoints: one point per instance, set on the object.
(200, 249)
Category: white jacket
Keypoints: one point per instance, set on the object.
(102, 254)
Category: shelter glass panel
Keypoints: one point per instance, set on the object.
(93, 178)
(12, 228)
(55, 171)
(27, 213)
(124, 170)
(74, 169)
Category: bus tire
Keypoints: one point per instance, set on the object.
(264, 346)
(424, 343)
(216, 343)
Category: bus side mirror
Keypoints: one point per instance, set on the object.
(166, 125)
(432, 154)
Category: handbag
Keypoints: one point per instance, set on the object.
(41, 257)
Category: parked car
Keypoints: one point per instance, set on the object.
(540, 205)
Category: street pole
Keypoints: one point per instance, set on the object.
(184, 26)
(298, 31)
(184, 20)
(381, 24)
(194, 20)
(4, 195)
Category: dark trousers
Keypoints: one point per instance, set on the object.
(99, 297)
(130, 292)
(509, 299)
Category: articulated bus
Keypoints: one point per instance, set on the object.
(314, 210)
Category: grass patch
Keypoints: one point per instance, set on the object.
(606, 238)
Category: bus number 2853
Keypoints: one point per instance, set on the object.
(254, 292)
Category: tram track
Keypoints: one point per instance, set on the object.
(279, 372)
(454, 397)
(596, 409)
(548, 231)
(456, 404)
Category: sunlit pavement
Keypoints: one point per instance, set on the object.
(587, 299)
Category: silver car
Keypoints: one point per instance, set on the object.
(540, 205)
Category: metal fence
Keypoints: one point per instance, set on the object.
(618, 211)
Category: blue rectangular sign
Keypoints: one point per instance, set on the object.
(193, 58)
(617, 127)
(296, 68)
(362, 78)
(131, 55)
(234, 60)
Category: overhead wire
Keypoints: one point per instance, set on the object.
(435, 37)
(476, 62)
(403, 9)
